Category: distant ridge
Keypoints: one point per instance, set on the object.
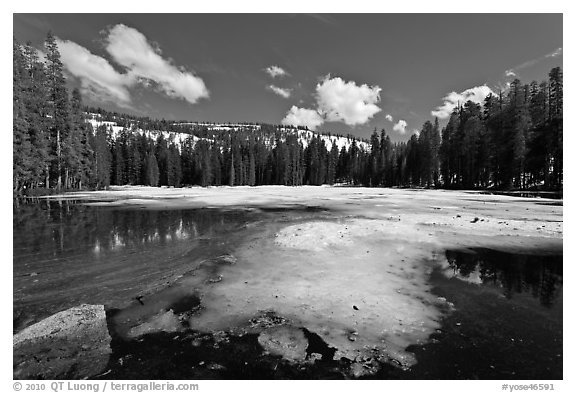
(178, 131)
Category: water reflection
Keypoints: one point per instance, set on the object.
(58, 227)
(538, 275)
(527, 194)
(67, 253)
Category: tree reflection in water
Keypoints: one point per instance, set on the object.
(67, 253)
(514, 273)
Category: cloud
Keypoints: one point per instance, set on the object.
(275, 71)
(280, 91)
(400, 126)
(513, 72)
(303, 117)
(475, 94)
(389, 118)
(344, 101)
(130, 48)
(97, 77)
(338, 101)
(556, 53)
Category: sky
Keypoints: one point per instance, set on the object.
(343, 73)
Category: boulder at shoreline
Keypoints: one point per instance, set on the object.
(71, 344)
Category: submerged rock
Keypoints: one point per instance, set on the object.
(267, 319)
(214, 280)
(72, 344)
(227, 259)
(363, 367)
(286, 341)
(163, 322)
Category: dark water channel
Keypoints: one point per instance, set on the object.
(507, 318)
(506, 321)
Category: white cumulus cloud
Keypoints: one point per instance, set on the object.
(275, 71)
(280, 91)
(303, 117)
(344, 101)
(338, 101)
(389, 118)
(475, 94)
(400, 126)
(130, 48)
(97, 77)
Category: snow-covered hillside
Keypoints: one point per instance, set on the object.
(222, 126)
(179, 138)
(340, 141)
(96, 121)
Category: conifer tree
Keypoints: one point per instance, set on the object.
(102, 159)
(152, 172)
(21, 145)
(58, 105)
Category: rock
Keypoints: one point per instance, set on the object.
(220, 337)
(227, 259)
(355, 308)
(286, 341)
(267, 319)
(314, 357)
(358, 370)
(214, 280)
(72, 344)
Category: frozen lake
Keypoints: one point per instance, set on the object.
(307, 282)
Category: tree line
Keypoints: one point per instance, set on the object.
(512, 141)
(52, 145)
